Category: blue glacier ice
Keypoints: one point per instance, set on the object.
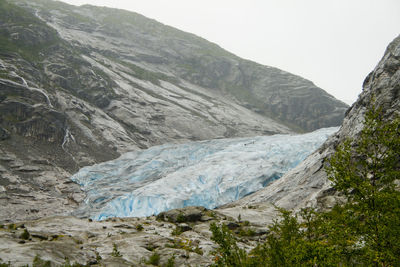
(206, 173)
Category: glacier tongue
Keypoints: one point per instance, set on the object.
(207, 173)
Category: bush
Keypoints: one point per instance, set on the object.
(25, 235)
(139, 227)
(154, 259)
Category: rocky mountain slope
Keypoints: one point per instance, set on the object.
(183, 235)
(31, 116)
(81, 85)
(307, 184)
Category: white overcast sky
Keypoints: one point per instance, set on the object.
(334, 43)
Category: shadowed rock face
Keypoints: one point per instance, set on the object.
(82, 85)
(307, 184)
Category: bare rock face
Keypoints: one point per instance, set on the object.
(307, 184)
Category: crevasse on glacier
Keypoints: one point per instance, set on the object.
(207, 173)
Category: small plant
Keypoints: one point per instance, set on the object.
(198, 250)
(3, 264)
(78, 241)
(115, 252)
(150, 247)
(11, 226)
(181, 218)
(25, 235)
(171, 262)
(248, 232)
(212, 214)
(98, 257)
(154, 259)
(239, 218)
(176, 231)
(139, 227)
(38, 262)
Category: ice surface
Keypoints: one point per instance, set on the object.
(207, 173)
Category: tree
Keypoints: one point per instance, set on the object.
(366, 171)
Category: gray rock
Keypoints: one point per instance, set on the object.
(186, 214)
(4, 134)
(183, 227)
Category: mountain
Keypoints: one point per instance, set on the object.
(51, 124)
(307, 184)
(82, 85)
(182, 235)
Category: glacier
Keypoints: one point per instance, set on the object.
(204, 173)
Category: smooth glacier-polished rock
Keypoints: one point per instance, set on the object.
(207, 173)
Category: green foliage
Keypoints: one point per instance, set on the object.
(115, 252)
(171, 261)
(176, 231)
(154, 259)
(180, 218)
(365, 231)
(3, 264)
(38, 262)
(185, 244)
(139, 227)
(67, 263)
(228, 253)
(366, 171)
(25, 235)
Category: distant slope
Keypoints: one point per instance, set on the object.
(158, 52)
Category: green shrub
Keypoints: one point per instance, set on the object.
(176, 231)
(181, 218)
(139, 227)
(171, 261)
(38, 262)
(25, 235)
(154, 259)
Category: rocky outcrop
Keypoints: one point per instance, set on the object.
(119, 241)
(307, 184)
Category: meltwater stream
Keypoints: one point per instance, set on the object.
(206, 173)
